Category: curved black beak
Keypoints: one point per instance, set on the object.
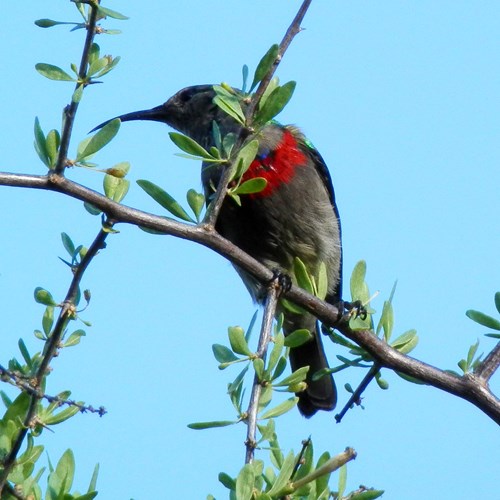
(157, 114)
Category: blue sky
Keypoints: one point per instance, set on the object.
(400, 98)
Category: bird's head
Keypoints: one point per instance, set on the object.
(190, 111)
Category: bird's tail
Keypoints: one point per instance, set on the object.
(320, 394)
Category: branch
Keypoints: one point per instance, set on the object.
(469, 387)
(70, 109)
(264, 339)
(220, 194)
(22, 383)
(356, 395)
(490, 364)
(293, 30)
(49, 352)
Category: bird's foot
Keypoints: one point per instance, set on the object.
(348, 310)
(281, 280)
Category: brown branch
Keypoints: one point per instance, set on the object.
(220, 194)
(469, 387)
(70, 109)
(49, 352)
(356, 395)
(24, 385)
(290, 34)
(489, 365)
(264, 339)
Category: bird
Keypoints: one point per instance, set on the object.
(295, 215)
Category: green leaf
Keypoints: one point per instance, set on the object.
(382, 383)
(53, 72)
(359, 289)
(93, 480)
(229, 103)
(245, 157)
(275, 103)
(111, 63)
(111, 13)
(91, 209)
(238, 342)
(406, 342)
(42, 296)
(189, 145)
(196, 201)
(298, 337)
(342, 481)
(483, 319)
(302, 276)
(265, 65)
(367, 495)
(114, 188)
(164, 199)
(210, 425)
(94, 52)
(296, 377)
(24, 352)
(245, 482)
(274, 357)
(244, 74)
(97, 66)
(497, 301)
(471, 353)
(227, 481)
(255, 185)
(386, 321)
(61, 416)
(100, 139)
(223, 354)
(282, 408)
(284, 475)
(48, 320)
(53, 141)
(61, 479)
(74, 338)
(48, 23)
(258, 366)
(68, 244)
(119, 170)
(40, 143)
(322, 281)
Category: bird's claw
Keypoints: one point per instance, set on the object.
(281, 280)
(355, 310)
(348, 310)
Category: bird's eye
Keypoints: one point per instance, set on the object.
(186, 94)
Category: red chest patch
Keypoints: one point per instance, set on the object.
(278, 167)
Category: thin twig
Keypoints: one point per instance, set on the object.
(329, 466)
(50, 350)
(356, 395)
(489, 365)
(305, 444)
(292, 30)
(70, 109)
(24, 385)
(220, 194)
(264, 339)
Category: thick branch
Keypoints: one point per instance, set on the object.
(469, 387)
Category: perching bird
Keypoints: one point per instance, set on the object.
(294, 216)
